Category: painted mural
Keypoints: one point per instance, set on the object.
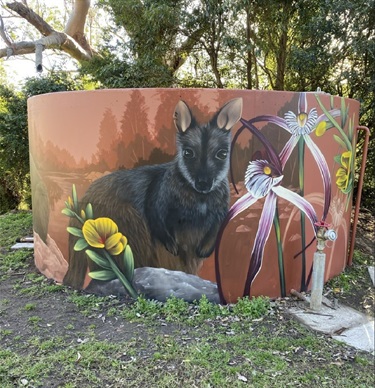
(189, 191)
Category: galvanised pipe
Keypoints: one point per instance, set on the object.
(359, 191)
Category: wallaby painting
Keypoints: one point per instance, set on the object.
(171, 212)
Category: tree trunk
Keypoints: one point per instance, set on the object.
(281, 60)
(248, 51)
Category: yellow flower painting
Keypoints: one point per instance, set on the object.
(343, 172)
(103, 233)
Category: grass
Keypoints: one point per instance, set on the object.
(351, 277)
(213, 360)
(13, 225)
(53, 336)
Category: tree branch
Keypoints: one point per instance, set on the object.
(75, 26)
(28, 14)
(3, 34)
(57, 40)
(185, 49)
(72, 41)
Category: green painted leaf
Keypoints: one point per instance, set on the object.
(68, 212)
(347, 190)
(89, 212)
(75, 197)
(104, 275)
(335, 124)
(340, 141)
(75, 231)
(337, 159)
(351, 128)
(344, 112)
(80, 245)
(96, 258)
(128, 263)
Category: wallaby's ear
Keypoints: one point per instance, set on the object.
(229, 114)
(182, 116)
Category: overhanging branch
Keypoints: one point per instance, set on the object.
(72, 41)
(57, 40)
(28, 14)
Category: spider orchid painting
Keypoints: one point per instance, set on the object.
(264, 179)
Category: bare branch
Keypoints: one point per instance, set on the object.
(57, 40)
(185, 49)
(3, 33)
(72, 41)
(19, 48)
(28, 14)
(77, 19)
(71, 47)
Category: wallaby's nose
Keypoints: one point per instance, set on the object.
(202, 185)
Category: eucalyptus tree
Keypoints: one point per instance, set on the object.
(52, 31)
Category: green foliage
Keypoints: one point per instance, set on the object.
(142, 307)
(34, 320)
(14, 164)
(253, 308)
(352, 276)
(208, 310)
(87, 303)
(175, 308)
(29, 306)
(51, 83)
(149, 43)
(14, 225)
(263, 44)
(111, 72)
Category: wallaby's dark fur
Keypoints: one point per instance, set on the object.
(170, 212)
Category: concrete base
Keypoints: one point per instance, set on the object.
(361, 337)
(343, 324)
(23, 245)
(371, 271)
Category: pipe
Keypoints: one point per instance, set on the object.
(317, 281)
(319, 262)
(359, 192)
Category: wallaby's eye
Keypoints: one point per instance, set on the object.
(188, 153)
(222, 154)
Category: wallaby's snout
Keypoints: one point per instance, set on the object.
(203, 184)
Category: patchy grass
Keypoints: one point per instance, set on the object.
(354, 286)
(51, 336)
(14, 225)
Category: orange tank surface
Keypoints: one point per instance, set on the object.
(223, 184)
